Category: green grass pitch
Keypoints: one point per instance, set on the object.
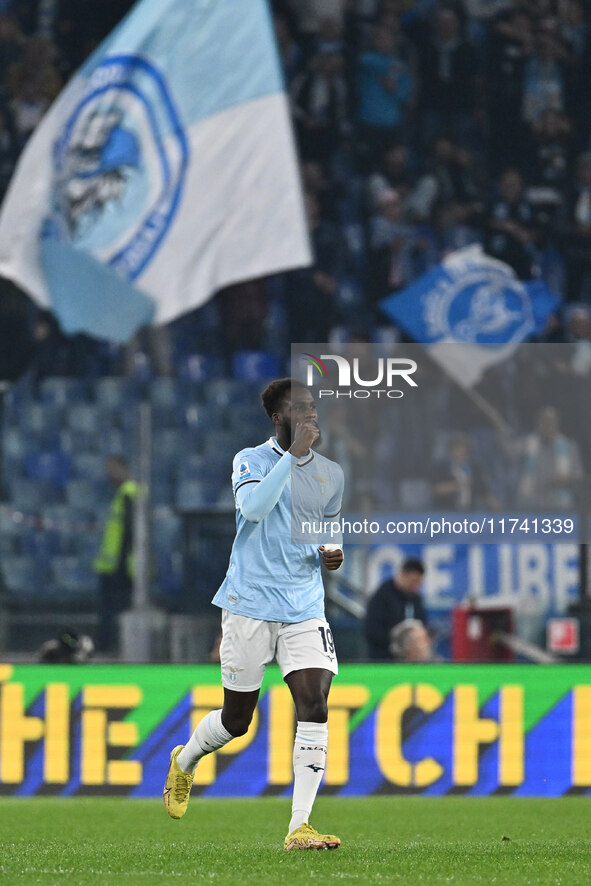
(409, 840)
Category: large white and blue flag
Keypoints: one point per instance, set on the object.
(471, 311)
(164, 171)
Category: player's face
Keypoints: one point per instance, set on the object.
(299, 407)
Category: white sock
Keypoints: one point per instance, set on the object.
(210, 735)
(309, 763)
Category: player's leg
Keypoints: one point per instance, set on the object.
(307, 659)
(246, 649)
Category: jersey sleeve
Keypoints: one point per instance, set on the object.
(248, 467)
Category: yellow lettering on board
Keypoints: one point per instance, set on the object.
(471, 730)
(389, 737)
(581, 737)
(511, 737)
(282, 726)
(98, 735)
(16, 728)
(56, 765)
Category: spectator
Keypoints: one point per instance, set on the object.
(317, 183)
(243, 315)
(27, 107)
(410, 642)
(449, 179)
(577, 230)
(319, 102)
(392, 174)
(311, 294)
(509, 47)
(511, 234)
(551, 466)
(396, 248)
(114, 561)
(11, 43)
(448, 71)
(394, 601)
(384, 88)
(152, 342)
(36, 72)
(459, 481)
(547, 156)
(543, 78)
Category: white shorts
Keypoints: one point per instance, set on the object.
(249, 645)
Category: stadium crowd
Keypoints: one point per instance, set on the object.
(422, 127)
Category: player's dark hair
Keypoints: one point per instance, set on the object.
(275, 391)
(413, 564)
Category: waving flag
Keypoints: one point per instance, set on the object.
(471, 312)
(164, 171)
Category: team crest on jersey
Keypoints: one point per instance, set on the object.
(119, 167)
(322, 481)
(243, 470)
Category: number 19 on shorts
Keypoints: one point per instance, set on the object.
(327, 640)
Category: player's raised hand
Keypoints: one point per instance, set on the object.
(332, 558)
(306, 434)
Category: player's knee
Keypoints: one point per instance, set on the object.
(313, 710)
(237, 724)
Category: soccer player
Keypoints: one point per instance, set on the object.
(272, 602)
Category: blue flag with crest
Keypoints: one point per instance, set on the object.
(471, 311)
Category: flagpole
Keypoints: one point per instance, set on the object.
(487, 409)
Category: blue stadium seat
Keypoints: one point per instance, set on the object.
(49, 466)
(32, 495)
(255, 365)
(14, 445)
(84, 419)
(84, 494)
(63, 391)
(114, 393)
(164, 391)
(225, 498)
(73, 576)
(222, 392)
(115, 441)
(190, 466)
(23, 577)
(89, 466)
(42, 422)
(167, 446)
(414, 493)
(198, 368)
(40, 544)
(77, 529)
(167, 544)
(191, 495)
(12, 530)
(161, 490)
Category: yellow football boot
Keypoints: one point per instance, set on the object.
(177, 789)
(307, 837)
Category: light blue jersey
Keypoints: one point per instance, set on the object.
(270, 577)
